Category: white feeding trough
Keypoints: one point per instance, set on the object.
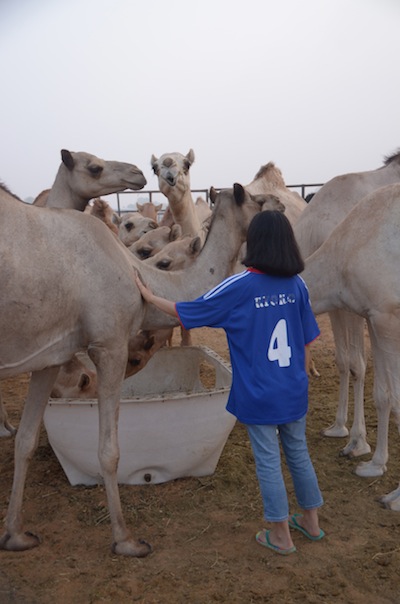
(171, 424)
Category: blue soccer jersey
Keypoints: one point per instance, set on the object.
(268, 322)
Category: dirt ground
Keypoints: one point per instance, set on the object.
(203, 530)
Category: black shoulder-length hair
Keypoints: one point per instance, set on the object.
(271, 245)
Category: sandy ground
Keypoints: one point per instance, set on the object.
(203, 530)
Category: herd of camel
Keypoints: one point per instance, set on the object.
(68, 289)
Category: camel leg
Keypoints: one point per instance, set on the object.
(6, 429)
(384, 345)
(357, 444)
(15, 539)
(377, 465)
(110, 373)
(338, 428)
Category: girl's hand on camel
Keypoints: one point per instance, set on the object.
(145, 291)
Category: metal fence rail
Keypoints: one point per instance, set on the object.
(157, 197)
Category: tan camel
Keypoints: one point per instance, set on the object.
(328, 208)
(76, 379)
(102, 210)
(172, 170)
(269, 181)
(154, 241)
(43, 326)
(83, 176)
(149, 209)
(132, 225)
(80, 177)
(356, 269)
(176, 255)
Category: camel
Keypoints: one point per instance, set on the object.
(154, 241)
(76, 379)
(356, 269)
(328, 207)
(80, 177)
(149, 209)
(172, 170)
(132, 225)
(41, 199)
(269, 181)
(176, 255)
(43, 325)
(103, 211)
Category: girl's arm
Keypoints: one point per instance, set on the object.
(161, 303)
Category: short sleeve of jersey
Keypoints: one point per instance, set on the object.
(210, 310)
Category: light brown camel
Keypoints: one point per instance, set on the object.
(80, 177)
(329, 206)
(42, 325)
(154, 241)
(76, 379)
(173, 172)
(269, 181)
(132, 225)
(103, 211)
(356, 269)
(176, 255)
(149, 209)
(83, 176)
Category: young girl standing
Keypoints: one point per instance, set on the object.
(266, 314)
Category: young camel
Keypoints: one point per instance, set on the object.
(149, 209)
(356, 270)
(51, 323)
(154, 241)
(329, 206)
(132, 226)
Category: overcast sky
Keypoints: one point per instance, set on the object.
(312, 85)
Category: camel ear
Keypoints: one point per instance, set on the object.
(139, 207)
(153, 224)
(213, 194)
(195, 246)
(239, 193)
(67, 159)
(116, 219)
(153, 161)
(176, 232)
(190, 156)
(158, 207)
(84, 382)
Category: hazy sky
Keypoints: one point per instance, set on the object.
(312, 85)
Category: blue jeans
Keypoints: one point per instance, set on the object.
(265, 444)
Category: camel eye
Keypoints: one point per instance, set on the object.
(163, 265)
(144, 253)
(95, 170)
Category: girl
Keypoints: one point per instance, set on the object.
(266, 314)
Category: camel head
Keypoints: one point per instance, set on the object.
(177, 254)
(132, 226)
(89, 176)
(172, 170)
